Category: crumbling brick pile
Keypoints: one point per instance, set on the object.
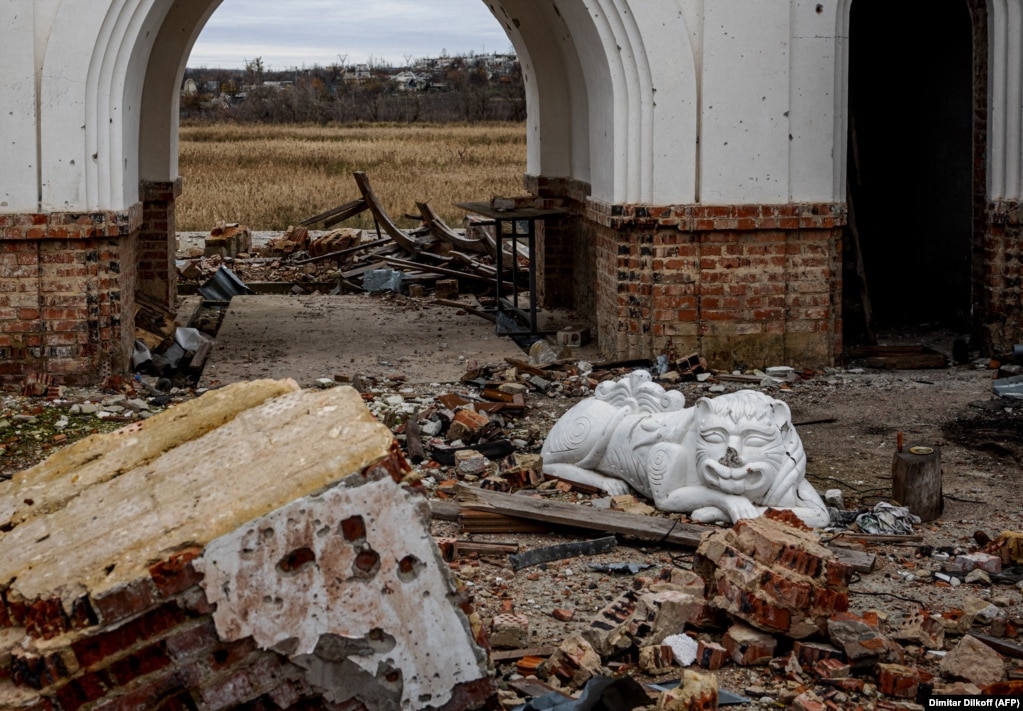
(765, 594)
(249, 548)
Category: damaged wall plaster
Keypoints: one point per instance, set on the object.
(350, 586)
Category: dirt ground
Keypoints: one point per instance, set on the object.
(848, 419)
(858, 414)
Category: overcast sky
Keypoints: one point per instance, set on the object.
(300, 33)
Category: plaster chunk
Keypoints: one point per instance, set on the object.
(174, 493)
(348, 584)
(724, 459)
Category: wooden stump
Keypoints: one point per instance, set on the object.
(916, 482)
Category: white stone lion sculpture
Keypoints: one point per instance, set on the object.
(726, 458)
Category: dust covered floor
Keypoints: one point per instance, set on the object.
(312, 337)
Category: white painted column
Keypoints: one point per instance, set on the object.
(744, 149)
(669, 143)
(1005, 100)
(19, 189)
(813, 128)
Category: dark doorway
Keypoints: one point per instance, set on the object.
(910, 166)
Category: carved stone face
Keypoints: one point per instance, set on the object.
(741, 442)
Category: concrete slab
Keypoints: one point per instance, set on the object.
(311, 337)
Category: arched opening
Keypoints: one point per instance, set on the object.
(911, 175)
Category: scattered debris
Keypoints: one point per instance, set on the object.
(562, 551)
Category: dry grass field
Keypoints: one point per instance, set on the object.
(269, 177)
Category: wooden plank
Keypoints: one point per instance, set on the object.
(444, 510)
(483, 548)
(472, 521)
(1001, 646)
(454, 273)
(344, 252)
(349, 209)
(468, 309)
(512, 655)
(444, 233)
(404, 240)
(650, 528)
(647, 528)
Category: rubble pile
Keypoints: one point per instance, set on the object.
(251, 548)
(433, 257)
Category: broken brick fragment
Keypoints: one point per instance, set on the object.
(573, 663)
(696, 692)
(711, 655)
(775, 577)
(748, 646)
(901, 681)
(656, 659)
(467, 425)
(509, 631)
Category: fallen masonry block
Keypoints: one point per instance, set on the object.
(667, 612)
(250, 548)
(609, 630)
(748, 646)
(809, 653)
(472, 463)
(973, 661)
(773, 576)
(657, 659)
(228, 240)
(832, 668)
(573, 663)
(468, 425)
(922, 628)
(862, 641)
(509, 631)
(807, 701)
(711, 655)
(336, 241)
(976, 561)
(697, 692)
(903, 682)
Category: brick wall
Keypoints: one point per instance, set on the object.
(750, 284)
(565, 247)
(67, 285)
(1000, 290)
(158, 242)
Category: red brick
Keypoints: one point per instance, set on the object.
(45, 619)
(711, 655)
(901, 681)
(91, 650)
(139, 663)
(38, 671)
(84, 689)
(125, 601)
(176, 574)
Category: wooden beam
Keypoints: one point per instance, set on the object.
(343, 212)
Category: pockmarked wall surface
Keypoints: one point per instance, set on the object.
(702, 149)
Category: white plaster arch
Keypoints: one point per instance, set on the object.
(841, 96)
(1005, 100)
(612, 95)
(553, 81)
(158, 140)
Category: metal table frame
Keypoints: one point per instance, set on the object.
(514, 218)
